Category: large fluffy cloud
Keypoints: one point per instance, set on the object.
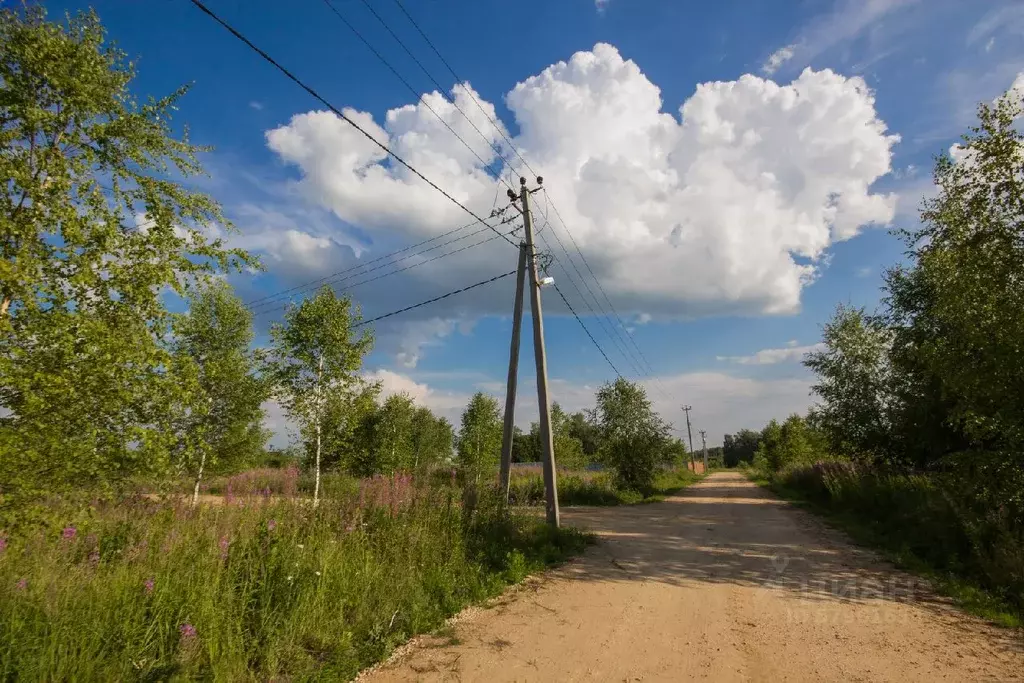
(725, 208)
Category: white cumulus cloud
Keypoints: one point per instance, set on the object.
(726, 206)
(788, 354)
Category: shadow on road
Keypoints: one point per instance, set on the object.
(729, 530)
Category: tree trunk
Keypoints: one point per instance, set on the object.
(316, 481)
(199, 478)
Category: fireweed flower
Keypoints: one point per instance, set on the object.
(68, 533)
(224, 545)
(150, 585)
(188, 631)
(22, 584)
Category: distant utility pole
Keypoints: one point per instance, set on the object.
(529, 253)
(704, 445)
(689, 435)
(513, 377)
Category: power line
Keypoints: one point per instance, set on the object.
(344, 275)
(442, 91)
(358, 265)
(206, 10)
(411, 89)
(278, 305)
(471, 95)
(569, 306)
(435, 299)
(579, 292)
(600, 286)
(554, 232)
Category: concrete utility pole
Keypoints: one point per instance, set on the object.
(704, 444)
(513, 377)
(689, 435)
(544, 406)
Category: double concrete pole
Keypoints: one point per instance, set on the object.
(528, 258)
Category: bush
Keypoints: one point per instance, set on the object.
(262, 588)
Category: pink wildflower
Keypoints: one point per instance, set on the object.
(188, 631)
(224, 545)
(150, 585)
(22, 584)
(271, 525)
(68, 533)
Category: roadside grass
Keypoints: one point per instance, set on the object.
(912, 542)
(595, 488)
(260, 588)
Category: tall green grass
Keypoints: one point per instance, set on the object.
(258, 588)
(924, 522)
(593, 488)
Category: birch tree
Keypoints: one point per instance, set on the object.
(316, 361)
(225, 422)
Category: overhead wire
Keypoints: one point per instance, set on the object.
(598, 281)
(435, 299)
(579, 292)
(313, 283)
(237, 34)
(419, 96)
(479, 106)
(280, 303)
(580, 321)
(441, 89)
(233, 31)
(614, 330)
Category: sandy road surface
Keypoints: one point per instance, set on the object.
(722, 583)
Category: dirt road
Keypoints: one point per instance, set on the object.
(722, 583)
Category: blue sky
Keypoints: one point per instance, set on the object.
(730, 229)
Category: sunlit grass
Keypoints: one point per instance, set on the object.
(256, 588)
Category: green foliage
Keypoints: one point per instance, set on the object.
(93, 235)
(526, 445)
(479, 443)
(398, 435)
(316, 360)
(740, 447)
(568, 448)
(854, 381)
(633, 435)
(791, 445)
(226, 416)
(583, 426)
(274, 591)
(347, 431)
